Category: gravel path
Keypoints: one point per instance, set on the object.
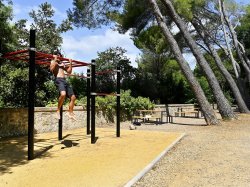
(207, 156)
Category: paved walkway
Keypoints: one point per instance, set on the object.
(208, 156)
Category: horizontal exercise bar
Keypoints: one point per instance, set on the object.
(15, 53)
(41, 57)
(74, 75)
(62, 58)
(105, 94)
(105, 71)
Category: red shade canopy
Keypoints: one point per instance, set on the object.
(41, 58)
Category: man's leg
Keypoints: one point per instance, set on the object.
(72, 103)
(60, 103)
(72, 97)
(71, 107)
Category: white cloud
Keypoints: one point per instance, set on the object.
(17, 9)
(86, 47)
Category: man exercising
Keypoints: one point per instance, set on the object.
(57, 67)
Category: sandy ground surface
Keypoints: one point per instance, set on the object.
(74, 161)
(206, 156)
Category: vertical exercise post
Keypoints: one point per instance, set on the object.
(88, 101)
(60, 122)
(118, 97)
(93, 94)
(32, 87)
(1, 47)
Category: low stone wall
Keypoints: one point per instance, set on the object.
(14, 122)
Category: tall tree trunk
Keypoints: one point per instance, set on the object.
(206, 108)
(240, 82)
(243, 58)
(234, 63)
(235, 41)
(236, 92)
(243, 87)
(223, 104)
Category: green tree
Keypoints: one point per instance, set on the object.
(7, 40)
(157, 68)
(110, 60)
(79, 86)
(15, 73)
(243, 30)
(151, 8)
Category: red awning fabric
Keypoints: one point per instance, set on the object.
(41, 58)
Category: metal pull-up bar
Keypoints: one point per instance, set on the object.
(34, 57)
(40, 57)
(93, 94)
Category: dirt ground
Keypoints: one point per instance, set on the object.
(74, 161)
(206, 156)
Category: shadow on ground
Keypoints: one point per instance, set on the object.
(14, 151)
(189, 124)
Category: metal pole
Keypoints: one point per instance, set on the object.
(60, 122)
(32, 87)
(93, 139)
(118, 102)
(1, 47)
(88, 101)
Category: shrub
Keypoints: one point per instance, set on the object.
(106, 106)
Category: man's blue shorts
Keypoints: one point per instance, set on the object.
(62, 85)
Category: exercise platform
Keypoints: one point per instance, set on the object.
(73, 161)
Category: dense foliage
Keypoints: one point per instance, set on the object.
(158, 77)
(14, 75)
(107, 105)
(243, 31)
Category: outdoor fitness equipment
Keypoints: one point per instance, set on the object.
(94, 94)
(34, 57)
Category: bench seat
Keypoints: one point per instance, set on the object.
(184, 113)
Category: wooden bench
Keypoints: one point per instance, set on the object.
(184, 113)
(146, 118)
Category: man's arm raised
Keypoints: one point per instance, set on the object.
(53, 63)
(69, 68)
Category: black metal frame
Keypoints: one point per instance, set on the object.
(118, 99)
(91, 93)
(88, 101)
(31, 101)
(93, 89)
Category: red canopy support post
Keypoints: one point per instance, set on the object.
(32, 87)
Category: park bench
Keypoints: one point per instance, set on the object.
(187, 112)
(146, 117)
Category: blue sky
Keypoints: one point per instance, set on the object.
(83, 44)
(79, 44)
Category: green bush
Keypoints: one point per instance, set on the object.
(107, 105)
(130, 104)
